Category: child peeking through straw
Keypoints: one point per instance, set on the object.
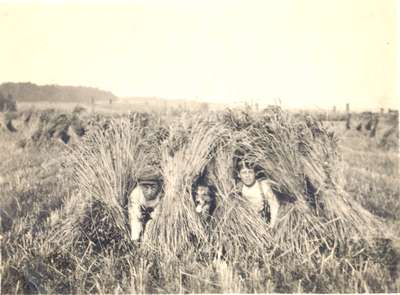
(203, 194)
(142, 203)
(258, 192)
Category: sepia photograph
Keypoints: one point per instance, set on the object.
(199, 147)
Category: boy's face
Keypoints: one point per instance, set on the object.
(150, 190)
(203, 199)
(247, 176)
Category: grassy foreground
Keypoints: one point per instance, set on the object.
(36, 190)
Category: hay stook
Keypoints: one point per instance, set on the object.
(105, 168)
(301, 159)
(185, 155)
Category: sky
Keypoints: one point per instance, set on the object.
(301, 53)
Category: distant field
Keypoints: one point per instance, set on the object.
(122, 106)
(99, 107)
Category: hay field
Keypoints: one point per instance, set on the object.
(65, 176)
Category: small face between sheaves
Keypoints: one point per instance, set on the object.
(203, 200)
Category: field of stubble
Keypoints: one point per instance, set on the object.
(35, 188)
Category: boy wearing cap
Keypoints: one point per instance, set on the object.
(142, 203)
(258, 193)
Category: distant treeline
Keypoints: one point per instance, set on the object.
(7, 103)
(30, 92)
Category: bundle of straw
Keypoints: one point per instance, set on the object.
(296, 155)
(236, 230)
(185, 155)
(105, 169)
(239, 231)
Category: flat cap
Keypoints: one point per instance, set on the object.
(150, 175)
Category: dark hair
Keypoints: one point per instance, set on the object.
(202, 181)
(245, 163)
(241, 164)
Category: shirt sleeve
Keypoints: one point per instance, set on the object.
(134, 213)
(272, 201)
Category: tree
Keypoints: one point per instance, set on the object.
(2, 102)
(11, 103)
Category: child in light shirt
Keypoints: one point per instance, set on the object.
(258, 193)
(142, 205)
